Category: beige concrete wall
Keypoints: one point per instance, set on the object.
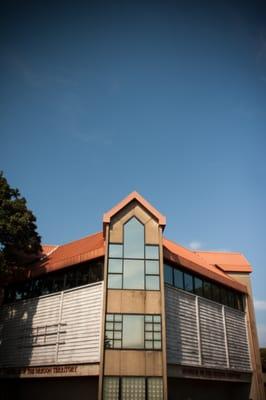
(133, 363)
(257, 389)
(134, 301)
(134, 210)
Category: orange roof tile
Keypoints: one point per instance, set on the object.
(228, 262)
(134, 196)
(75, 252)
(178, 254)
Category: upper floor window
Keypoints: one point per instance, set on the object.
(133, 264)
(133, 239)
(202, 287)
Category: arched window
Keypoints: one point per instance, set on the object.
(133, 239)
(133, 264)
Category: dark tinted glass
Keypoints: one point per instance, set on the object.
(188, 282)
(207, 290)
(215, 292)
(168, 274)
(178, 279)
(133, 239)
(198, 286)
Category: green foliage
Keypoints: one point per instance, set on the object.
(19, 239)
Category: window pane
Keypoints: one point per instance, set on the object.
(118, 317)
(207, 289)
(116, 250)
(157, 335)
(230, 298)
(198, 286)
(157, 318)
(133, 331)
(152, 252)
(109, 326)
(148, 335)
(188, 282)
(133, 274)
(117, 335)
(152, 267)
(148, 344)
(155, 389)
(148, 318)
(133, 239)
(215, 293)
(111, 388)
(158, 345)
(168, 274)
(133, 389)
(178, 279)
(115, 265)
(115, 281)
(109, 317)
(224, 299)
(152, 282)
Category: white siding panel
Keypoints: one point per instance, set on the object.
(205, 333)
(181, 327)
(63, 327)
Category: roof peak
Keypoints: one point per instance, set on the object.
(128, 199)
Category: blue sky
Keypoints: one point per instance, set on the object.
(167, 98)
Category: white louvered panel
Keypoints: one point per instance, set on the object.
(75, 314)
(82, 310)
(237, 339)
(212, 334)
(181, 327)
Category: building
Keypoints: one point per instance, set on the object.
(127, 314)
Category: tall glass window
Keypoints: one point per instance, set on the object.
(134, 264)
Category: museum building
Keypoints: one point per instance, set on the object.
(126, 314)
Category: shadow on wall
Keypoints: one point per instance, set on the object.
(194, 389)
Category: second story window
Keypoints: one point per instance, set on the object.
(133, 264)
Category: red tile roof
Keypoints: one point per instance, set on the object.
(92, 247)
(68, 254)
(228, 262)
(175, 253)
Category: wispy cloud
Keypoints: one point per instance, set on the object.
(260, 305)
(195, 245)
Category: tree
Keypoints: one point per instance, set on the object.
(19, 240)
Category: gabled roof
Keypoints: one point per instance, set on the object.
(131, 197)
(228, 262)
(93, 247)
(175, 253)
(85, 249)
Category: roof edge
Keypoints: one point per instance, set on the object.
(123, 203)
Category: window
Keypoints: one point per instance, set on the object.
(128, 331)
(133, 239)
(67, 278)
(111, 388)
(168, 274)
(202, 287)
(133, 332)
(178, 279)
(133, 265)
(188, 282)
(132, 388)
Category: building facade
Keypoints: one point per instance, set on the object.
(127, 314)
